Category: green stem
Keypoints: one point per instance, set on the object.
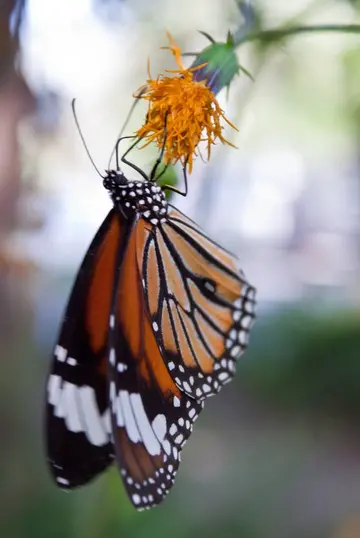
(279, 33)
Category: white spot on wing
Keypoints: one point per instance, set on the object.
(233, 334)
(53, 389)
(151, 443)
(173, 429)
(167, 447)
(106, 420)
(130, 424)
(159, 427)
(246, 322)
(91, 417)
(112, 357)
(243, 337)
(187, 386)
(249, 307)
(63, 481)
(112, 392)
(119, 415)
(72, 415)
(60, 353)
(60, 408)
(179, 439)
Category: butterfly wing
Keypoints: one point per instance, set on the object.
(201, 306)
(151, 417)
(78, 427)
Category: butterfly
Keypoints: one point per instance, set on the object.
(156, 320)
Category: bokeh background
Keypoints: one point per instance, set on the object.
(277, 454)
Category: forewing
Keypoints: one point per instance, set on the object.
(200, 304)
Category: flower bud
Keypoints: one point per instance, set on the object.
(219, 65)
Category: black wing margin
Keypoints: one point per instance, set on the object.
(78, 426)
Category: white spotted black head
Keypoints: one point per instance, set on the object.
(142, 197)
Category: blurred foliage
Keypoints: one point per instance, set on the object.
(300, 361)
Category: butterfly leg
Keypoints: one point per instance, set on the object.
(132, 165)
(178, 191)
(161, 154)
(157, 163)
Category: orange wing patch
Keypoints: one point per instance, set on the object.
(99, 298)
(136, 325)
(136, 461)
(153, 278)
(167, 330)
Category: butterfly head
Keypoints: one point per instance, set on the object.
(142, 197)
(114, 179)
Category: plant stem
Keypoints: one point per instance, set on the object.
(279, 33)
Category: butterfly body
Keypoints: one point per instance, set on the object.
(157, 318)
(141, 197)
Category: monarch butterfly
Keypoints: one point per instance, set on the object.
(158, 315)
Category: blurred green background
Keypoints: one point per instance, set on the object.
(277, 454)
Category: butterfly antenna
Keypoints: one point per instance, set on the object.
(137, 98)
(83, 139)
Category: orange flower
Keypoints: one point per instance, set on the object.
(190, 109)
